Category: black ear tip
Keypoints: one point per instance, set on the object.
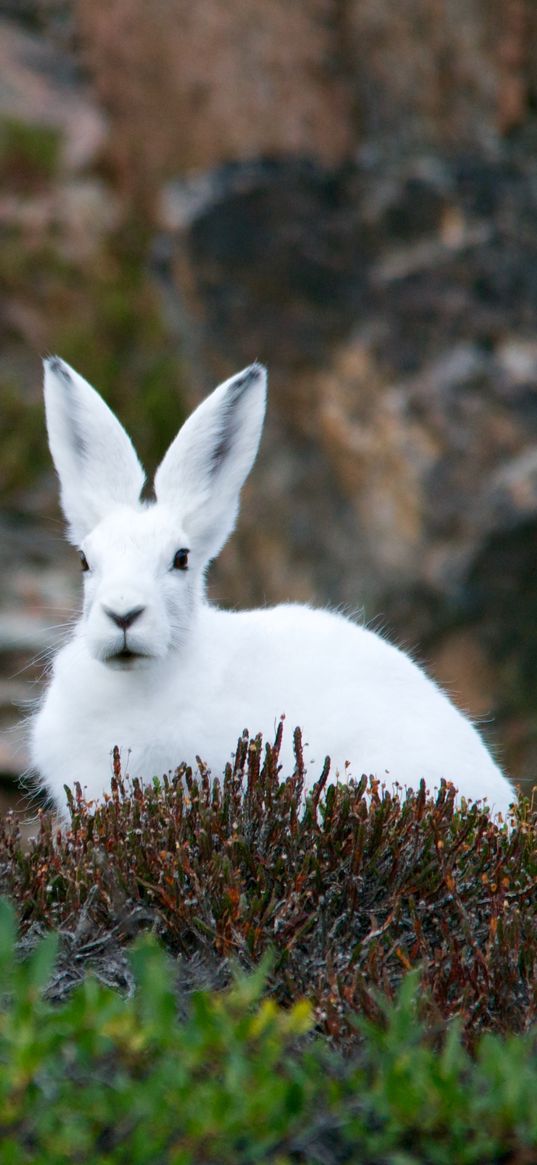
(254, 372)
(56, 365)
(53, 362)
(257, 369)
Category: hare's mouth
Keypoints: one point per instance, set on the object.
(127, 659)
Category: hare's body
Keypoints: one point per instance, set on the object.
(325, 674)
(155, 670)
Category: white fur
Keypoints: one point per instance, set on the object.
(198, 675)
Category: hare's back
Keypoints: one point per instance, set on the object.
(360, 700)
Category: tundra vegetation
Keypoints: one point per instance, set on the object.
(342, 975)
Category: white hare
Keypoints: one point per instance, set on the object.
(153, 668)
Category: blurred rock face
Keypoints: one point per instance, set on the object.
(190, 86)
(194, 85)
(347, 192)
(395, 311)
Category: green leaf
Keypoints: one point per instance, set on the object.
(8, 938)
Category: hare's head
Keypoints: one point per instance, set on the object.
(143, 562)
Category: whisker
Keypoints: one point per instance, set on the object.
(50, 607)
(34, 794)
(46, 655)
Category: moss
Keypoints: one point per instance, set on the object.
(22, 452)
(115, 337)
(32, 269)
(104, 318)
(29, 153)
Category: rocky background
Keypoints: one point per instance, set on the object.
(346, 190)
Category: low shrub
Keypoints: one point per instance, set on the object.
(348, 886)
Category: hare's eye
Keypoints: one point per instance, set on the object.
(180, 560)
(84, 564)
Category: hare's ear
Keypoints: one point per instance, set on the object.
(95, 460)
(205, 467)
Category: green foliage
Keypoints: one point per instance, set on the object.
(428, 1100)
(349, 891)
(124, 1077)
(238, 1079)
(29, 154)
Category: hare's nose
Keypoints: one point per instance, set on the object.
(125, 621)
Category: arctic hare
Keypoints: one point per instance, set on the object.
(153, 668)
